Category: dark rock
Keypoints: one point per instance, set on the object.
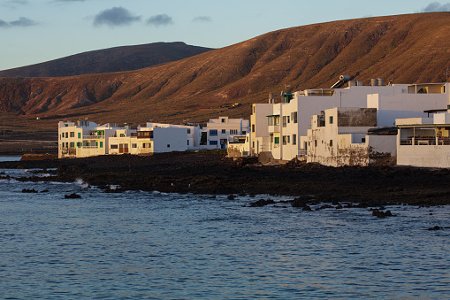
(261, 203)
(299, 202)
(72, 196)
(335, 202)
(307, 208)
(29, 191)
(339, 206)
(44, 191)
(381, 214)
(435, 228)
(231, 197)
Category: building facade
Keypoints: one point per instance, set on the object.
(343, 137)
(424, 142)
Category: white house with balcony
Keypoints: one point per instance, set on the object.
(83, 139)
(218, 132)
(150, 139)
(288, 120)
(424, 142)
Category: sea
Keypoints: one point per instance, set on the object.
(152, 245)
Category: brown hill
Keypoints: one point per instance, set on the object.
(115, 59)
(401, 49)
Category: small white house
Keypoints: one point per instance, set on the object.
(218, 132)
(424, 142)
(239, 146)
(345, 137)
(150, 139)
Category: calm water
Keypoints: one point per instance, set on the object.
(138, 245)
(9, 158)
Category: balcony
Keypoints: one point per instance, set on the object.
(93, 137)
(274, 128)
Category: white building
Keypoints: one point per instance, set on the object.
(290, 119)
(150, 139)
(83, 139)
(424, 142)
(218, 132)
(343, 137)
(259, 136)
(239, 146)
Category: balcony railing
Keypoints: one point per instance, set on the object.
(420, 141)
(93, 137)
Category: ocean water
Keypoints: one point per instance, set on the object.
(141, 245)
(9, 158)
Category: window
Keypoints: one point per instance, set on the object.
(294, 139)
(114, 146)
(294, 117)
(213, 143)
(187, 142)
(67, 135)
(72, 134)
(253, 128)
(285, 121)
(223, 120)
(286, 139)
(331, 143)
(244, 132)
(315, 143)
(331, 120)
(134, 146)
(253, 144)
(122, 135)
(276, 140)
(233, 131)
(79, 145)
(188, 131)
(101, 144)
(168, 145)
(224, 131)
(363, 140)
(79, 135)
(213, 132)
(72, 144)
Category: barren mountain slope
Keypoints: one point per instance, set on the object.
(115, 59)
(401, 49)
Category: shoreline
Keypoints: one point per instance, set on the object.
(211, 173)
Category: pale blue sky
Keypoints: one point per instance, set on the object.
(33, 31)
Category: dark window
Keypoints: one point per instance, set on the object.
(315, 143)
(187, 142)
(133, 145)
(188, 131)
(331, 120)
(276, 140)
(168, 145)
(294, 117)
(203, 138)
(253, 127)
(363, 140)
(224, 131)
(79, 135)
(213, 132)
(101, 144)
(294, 139)
(331, 143)
(223, 120)
(114, 146)
(72, 134)
(213, 142)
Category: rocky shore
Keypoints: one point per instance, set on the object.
(213, 173)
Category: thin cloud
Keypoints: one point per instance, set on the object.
(202, 19)
(21, 22)
(436, 6)
(160, 20)
(116, 16)
(15, 3)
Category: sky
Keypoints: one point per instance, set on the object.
(33, 31)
